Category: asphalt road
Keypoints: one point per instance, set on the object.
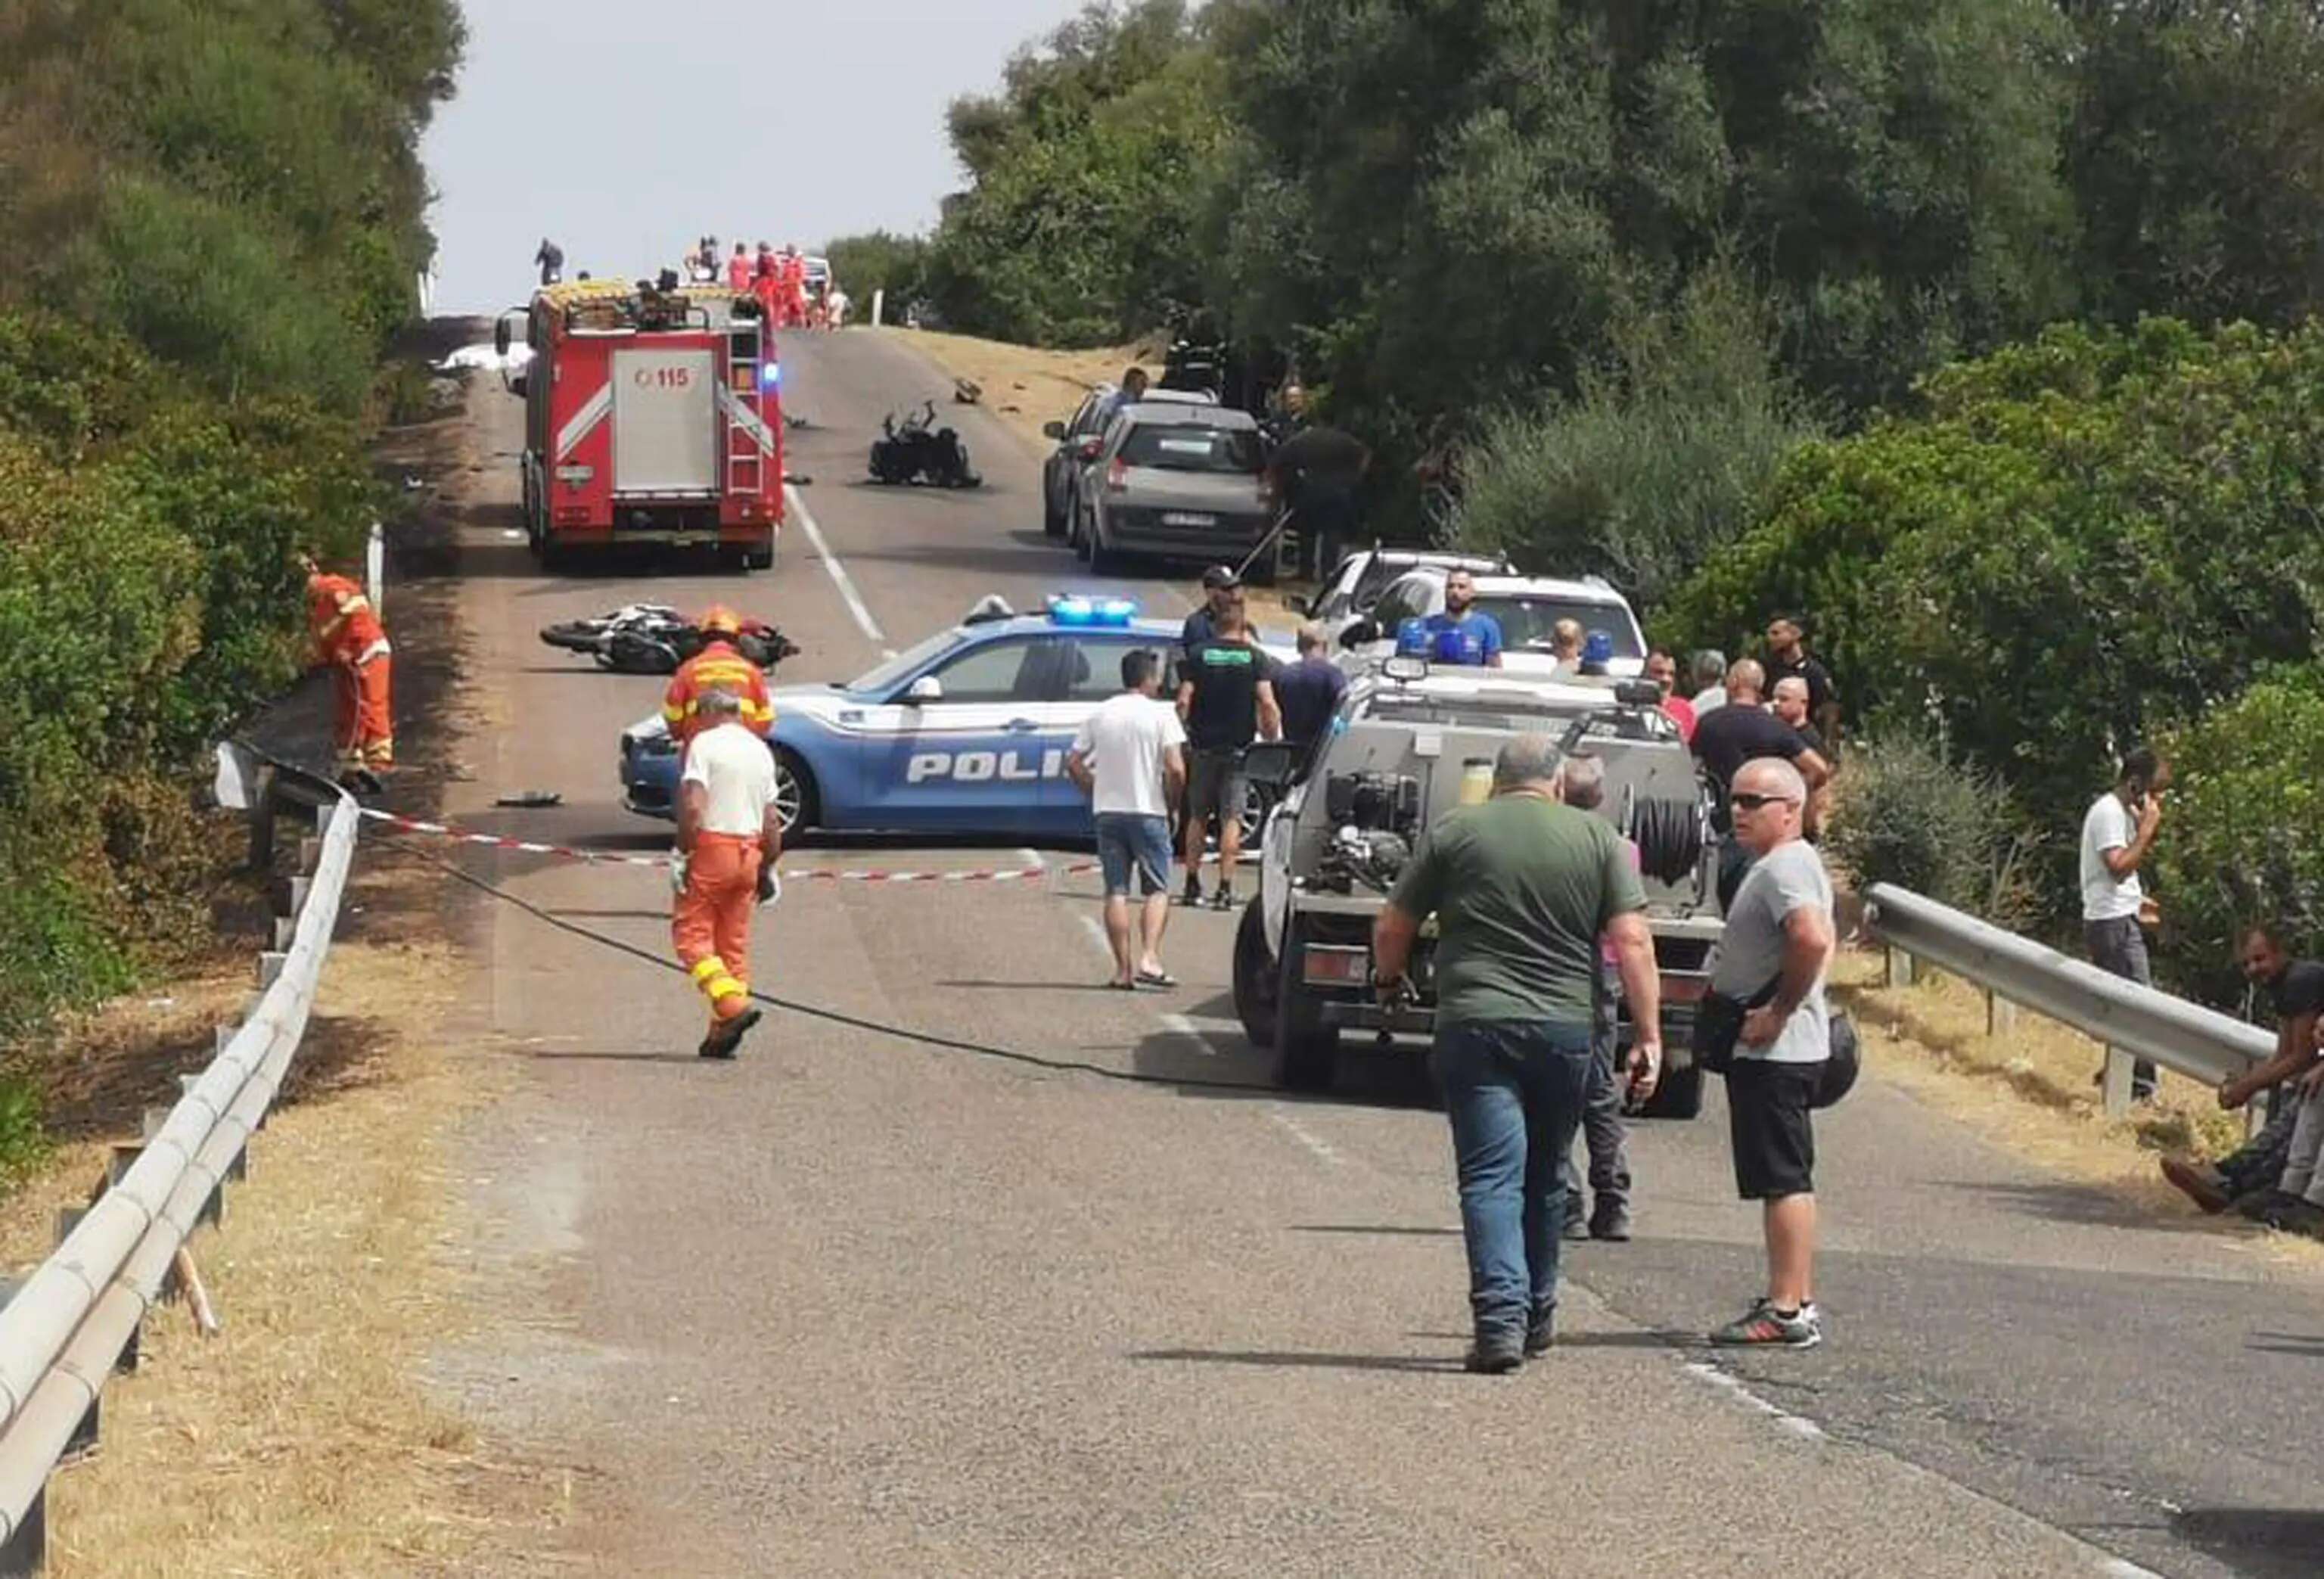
(852, 1305)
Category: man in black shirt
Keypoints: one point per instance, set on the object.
(1788, 659)
(1317, 472)
(2295, 991)
(1226, 697)
(1727, 736)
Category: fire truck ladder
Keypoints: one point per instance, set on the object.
(745, 460)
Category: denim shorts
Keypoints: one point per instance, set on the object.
(1131, 840)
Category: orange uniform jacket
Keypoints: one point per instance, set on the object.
(345, 628)
(738, 273)
(717, 665)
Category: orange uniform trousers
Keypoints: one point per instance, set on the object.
(366, 733)
(711, 922)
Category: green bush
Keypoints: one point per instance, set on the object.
(23, 1142)
(1656, 465)
(2243, 832)
(1907, 812)
(2091, 539)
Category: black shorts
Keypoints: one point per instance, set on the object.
(1214, 787)
(1768, 1122)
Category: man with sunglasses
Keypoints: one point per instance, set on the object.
(1777, 943)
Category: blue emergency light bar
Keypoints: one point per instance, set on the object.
(770, 375)
(1092, 611)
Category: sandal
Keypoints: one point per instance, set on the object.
(1156, 979)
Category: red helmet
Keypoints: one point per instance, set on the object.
(719, 617)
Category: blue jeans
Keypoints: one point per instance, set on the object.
(1514, 1091)
(1130, 844)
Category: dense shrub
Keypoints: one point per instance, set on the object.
(223, 211)
(877, 261)
(1907, 811)
(1656, 465)
(2242, 831)
(2089, 539)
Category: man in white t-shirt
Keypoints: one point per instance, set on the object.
(1130, 758)
(729, 834)
(2117, 832)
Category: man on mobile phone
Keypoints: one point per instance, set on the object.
(2117, 836)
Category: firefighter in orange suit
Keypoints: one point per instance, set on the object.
(348, 637)
(729, 835)
(719, 664)
(738, 270)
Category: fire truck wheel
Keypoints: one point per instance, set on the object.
(759, 559)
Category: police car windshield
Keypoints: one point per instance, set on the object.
(891, 671)
(1527, 621)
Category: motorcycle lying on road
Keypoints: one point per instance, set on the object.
(914, 449)
(651, 638)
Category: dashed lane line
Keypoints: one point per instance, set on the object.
(1306, 1137)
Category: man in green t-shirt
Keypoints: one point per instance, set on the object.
(1523, 887)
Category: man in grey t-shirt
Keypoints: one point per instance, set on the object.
(1773, 954)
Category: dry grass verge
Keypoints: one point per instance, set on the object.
(301, 1441)
(2030, 1089)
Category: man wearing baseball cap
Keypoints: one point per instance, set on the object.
(1220, 586)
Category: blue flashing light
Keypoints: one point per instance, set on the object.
(770, 375)
(1092, 611)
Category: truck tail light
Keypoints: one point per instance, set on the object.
(573, 516)
(1117, 477)
(1325, 964)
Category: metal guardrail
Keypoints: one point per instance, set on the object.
(2132, 1020)
(75, 1319)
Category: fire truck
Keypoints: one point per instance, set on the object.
(652, 414)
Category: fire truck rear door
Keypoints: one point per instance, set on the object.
(665, 427)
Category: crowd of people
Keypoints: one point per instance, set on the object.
(789, 295)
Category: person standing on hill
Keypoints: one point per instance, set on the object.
(2117, 836)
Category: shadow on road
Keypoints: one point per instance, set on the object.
(2271, 1542)
(2082, 1204)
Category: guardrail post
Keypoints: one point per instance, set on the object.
(270, 965)
(2000, 1015)
(262, 818)
(2114, 1087)
(24, 1554)
(1900, 967)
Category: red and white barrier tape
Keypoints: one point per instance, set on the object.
(792, 875)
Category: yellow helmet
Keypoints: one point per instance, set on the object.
(719, 617)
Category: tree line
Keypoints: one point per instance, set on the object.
(217, 207)
(1974, 327)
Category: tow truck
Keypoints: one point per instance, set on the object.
(652, 414)
(1398, 755)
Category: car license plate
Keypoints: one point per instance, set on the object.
(1188, 518)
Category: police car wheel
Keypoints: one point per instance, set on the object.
(794, 793)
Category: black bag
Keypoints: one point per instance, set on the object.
(1718, 1022)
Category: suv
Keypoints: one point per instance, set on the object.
(1394, 759)
(1357, 581)
(1176, 481)
(1078, 440)
(1526, 607)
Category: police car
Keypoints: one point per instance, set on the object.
(967, 733)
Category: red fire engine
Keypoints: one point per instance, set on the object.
(650, 416)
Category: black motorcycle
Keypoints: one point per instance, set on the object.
(912, 448)
(654, 639)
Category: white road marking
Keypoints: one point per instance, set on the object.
(839, 576)
(1184, 1025)
(1030, 859)
(2124, 1568)
(1096, 929)
(1304, 1136)
(1797, 1425)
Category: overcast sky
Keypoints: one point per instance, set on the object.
(625, 128)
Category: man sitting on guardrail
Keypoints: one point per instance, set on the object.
(2247, 1177)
